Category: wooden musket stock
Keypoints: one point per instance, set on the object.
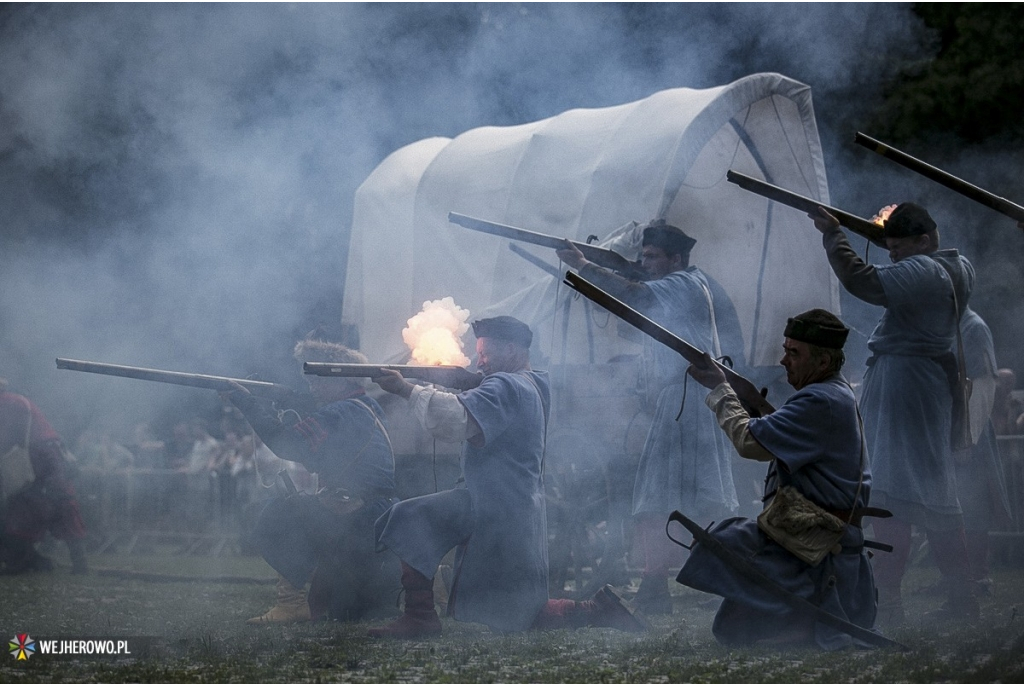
(454, 377)
(751, 399)
(601, 256)
(861, 227)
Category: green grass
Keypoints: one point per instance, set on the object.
(203, 638)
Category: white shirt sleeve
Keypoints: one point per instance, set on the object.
(733, 419)
(442, 415)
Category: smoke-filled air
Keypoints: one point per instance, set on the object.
(193, 187)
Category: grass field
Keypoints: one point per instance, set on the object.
(198, 622)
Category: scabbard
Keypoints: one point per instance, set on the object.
(799, 604)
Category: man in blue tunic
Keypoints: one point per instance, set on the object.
(814, 446)
(908, 392)
(685, 463)
(496, 519)
(327, 539)
(981, 485)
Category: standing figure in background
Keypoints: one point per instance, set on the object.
(908, 397)
(686, 463)
(36, 493)
(326, 539)
(981, 485)
(1007, 412)
(497, 519)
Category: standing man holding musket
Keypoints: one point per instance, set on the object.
(685, 464)
(496, 519)
(908, 396)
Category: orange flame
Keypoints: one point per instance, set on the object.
(883, 214)
(434, 336)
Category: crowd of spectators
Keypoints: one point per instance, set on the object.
(199, 476)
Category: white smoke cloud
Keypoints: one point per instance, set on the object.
(434, 336)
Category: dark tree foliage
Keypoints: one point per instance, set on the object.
(972, 88)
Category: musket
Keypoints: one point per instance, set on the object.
(980, 195)
(751, 399)
(861, 227)
(751, 573)
(449, 376)
(195, 380)
(598, 255)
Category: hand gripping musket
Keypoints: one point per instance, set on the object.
(454, 377)
(861, 227)
(195, 380)
(742, 566)
(751, 399)
(598, 255)
(990, 200)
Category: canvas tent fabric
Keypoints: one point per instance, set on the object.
(596, 172)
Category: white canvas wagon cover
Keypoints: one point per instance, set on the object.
(591, 172)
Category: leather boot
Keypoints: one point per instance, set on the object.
(291, 606)
(608, 610)
(419, 620)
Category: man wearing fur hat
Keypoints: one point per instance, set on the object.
(685, 463)
(815, 448)
(907, 400)
(496, 520)
(330, 534)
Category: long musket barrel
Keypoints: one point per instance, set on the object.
(454, 377)
(195, 380)
(599, 255)
(752, 400)
(980, 195)
(862, 227)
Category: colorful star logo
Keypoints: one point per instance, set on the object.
(22, 647)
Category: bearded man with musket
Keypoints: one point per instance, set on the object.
(496, 518)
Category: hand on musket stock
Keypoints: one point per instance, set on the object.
(823, 221)
(571, 255)
(707, 374)
(392, 381)
(233, 389)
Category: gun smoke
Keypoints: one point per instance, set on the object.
(434, 335)
(176, 180)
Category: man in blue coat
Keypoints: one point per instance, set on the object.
(326, 540)
(686, 463)
(907, 398)
(497, 518)
(814, 445)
